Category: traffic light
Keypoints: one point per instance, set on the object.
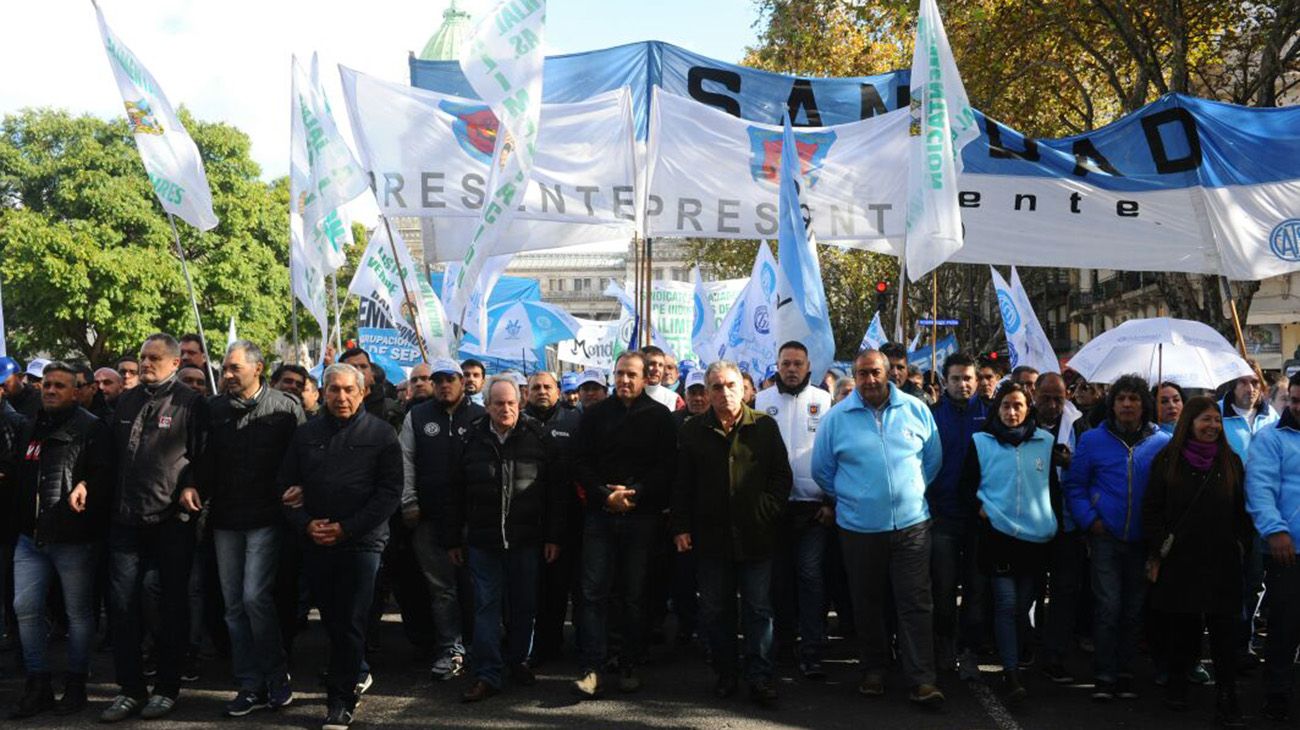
(882, 295)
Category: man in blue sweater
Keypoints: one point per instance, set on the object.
(1104, 487)
(958, 415)
(874, 455)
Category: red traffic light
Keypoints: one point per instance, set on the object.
(993, 355)
(882, 287)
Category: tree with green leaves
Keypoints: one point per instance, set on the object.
(87, 256)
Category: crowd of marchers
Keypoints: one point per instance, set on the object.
(1023, 517)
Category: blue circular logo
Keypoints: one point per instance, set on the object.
(1012, 355)
(760, 320)
(1010, 315)
(1284, 241)
(767, 277)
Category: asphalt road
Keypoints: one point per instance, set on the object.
(676, 695)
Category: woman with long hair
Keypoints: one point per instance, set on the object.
(1008, 471)
(1197, 534)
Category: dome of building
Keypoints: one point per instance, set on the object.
(445, 43)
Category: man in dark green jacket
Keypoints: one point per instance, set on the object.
(733, 480)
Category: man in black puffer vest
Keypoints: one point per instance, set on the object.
(61, 490)
(159, 431)
(252, 425)
(560, 578)
(430, 431)
(507, 504)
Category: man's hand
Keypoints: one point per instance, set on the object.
(457, 556)
(1282, 549)
(76, 498)
(826, 515)
(325, 533)
(1153, 570)
(189, 500)
(1097, 528)
(292, 497)
(328, 357)
(551, 552)
(683, 542)
(411, 516)
(620, 500)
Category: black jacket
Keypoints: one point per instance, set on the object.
(504, 495)
(731, 488)
(635, 446)
(428, 436)
(561, 425)
(384, 408)
(61, 450)
(351, 473)
(246, 447)
(158, 437)
(27, 402)
(1203, 571)
(11, 430)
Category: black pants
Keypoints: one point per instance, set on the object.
(169, 547)
(560, 584)
(1283, 627)
(1182, 646)
(342, 587)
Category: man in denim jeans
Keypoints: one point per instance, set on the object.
(59, 480)
(252, 425)
(624, 455)
(1104, 487)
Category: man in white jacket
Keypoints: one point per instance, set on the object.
(798, 589)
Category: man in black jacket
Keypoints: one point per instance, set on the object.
(624, 457)
(252, 425)
(61, 495)
(343, 480)
(428, 435)
(560, 578)
(378, 401)
(158, 434)
(506, 503)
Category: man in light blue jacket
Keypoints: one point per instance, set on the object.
(874, 455)
(1273, 501)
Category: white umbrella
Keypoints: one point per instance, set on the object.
(1181, 351)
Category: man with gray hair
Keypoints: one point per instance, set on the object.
(252, 425)
(158, 433)
(342, 480)
(733, 481)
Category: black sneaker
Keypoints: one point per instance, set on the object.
(246, 702)
(812, 669)
(1103, 691)
(338, 718)
(522, 675)
(1124, 689)
(190, 672)
(1058, 674)
(762, 693)
(363, 683)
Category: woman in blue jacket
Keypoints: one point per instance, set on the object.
(1009, 472)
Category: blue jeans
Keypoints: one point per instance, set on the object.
(246, 564)
(951, 568)
(343, 587)
(719, 579)
(168, 547)
(440, 576)
(799, 585)
(74, 565)
(614, 545)
(1119, 587)
(510, 577)
(1012, 595)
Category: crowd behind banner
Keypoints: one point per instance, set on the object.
(943, 520)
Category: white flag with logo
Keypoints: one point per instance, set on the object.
(747, 336)
(1026, 341)
(168, 152)
(430, 154)
(323, 174)
(380, 275)
(502, 61)
(712, 175)
(942, 123)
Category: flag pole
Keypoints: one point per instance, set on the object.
(194, 303)
(338, 319)
(649, 290)
(419, 337)
(1236, 318)
(934, 321)
(900, 320)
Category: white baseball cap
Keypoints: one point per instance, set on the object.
(591, 376)
(695, 378)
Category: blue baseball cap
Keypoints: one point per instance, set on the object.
(8, 368)
(568, 382)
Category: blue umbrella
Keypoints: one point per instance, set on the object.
(518, 326)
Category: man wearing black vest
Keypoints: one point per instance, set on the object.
(159, 432)
(427, 438)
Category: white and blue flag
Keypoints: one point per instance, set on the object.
(1027, 343)
(875, 336)
(801, 311)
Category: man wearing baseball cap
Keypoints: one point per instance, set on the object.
(428, 438)
(592, 388)
(569, 390)
(22, 397)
